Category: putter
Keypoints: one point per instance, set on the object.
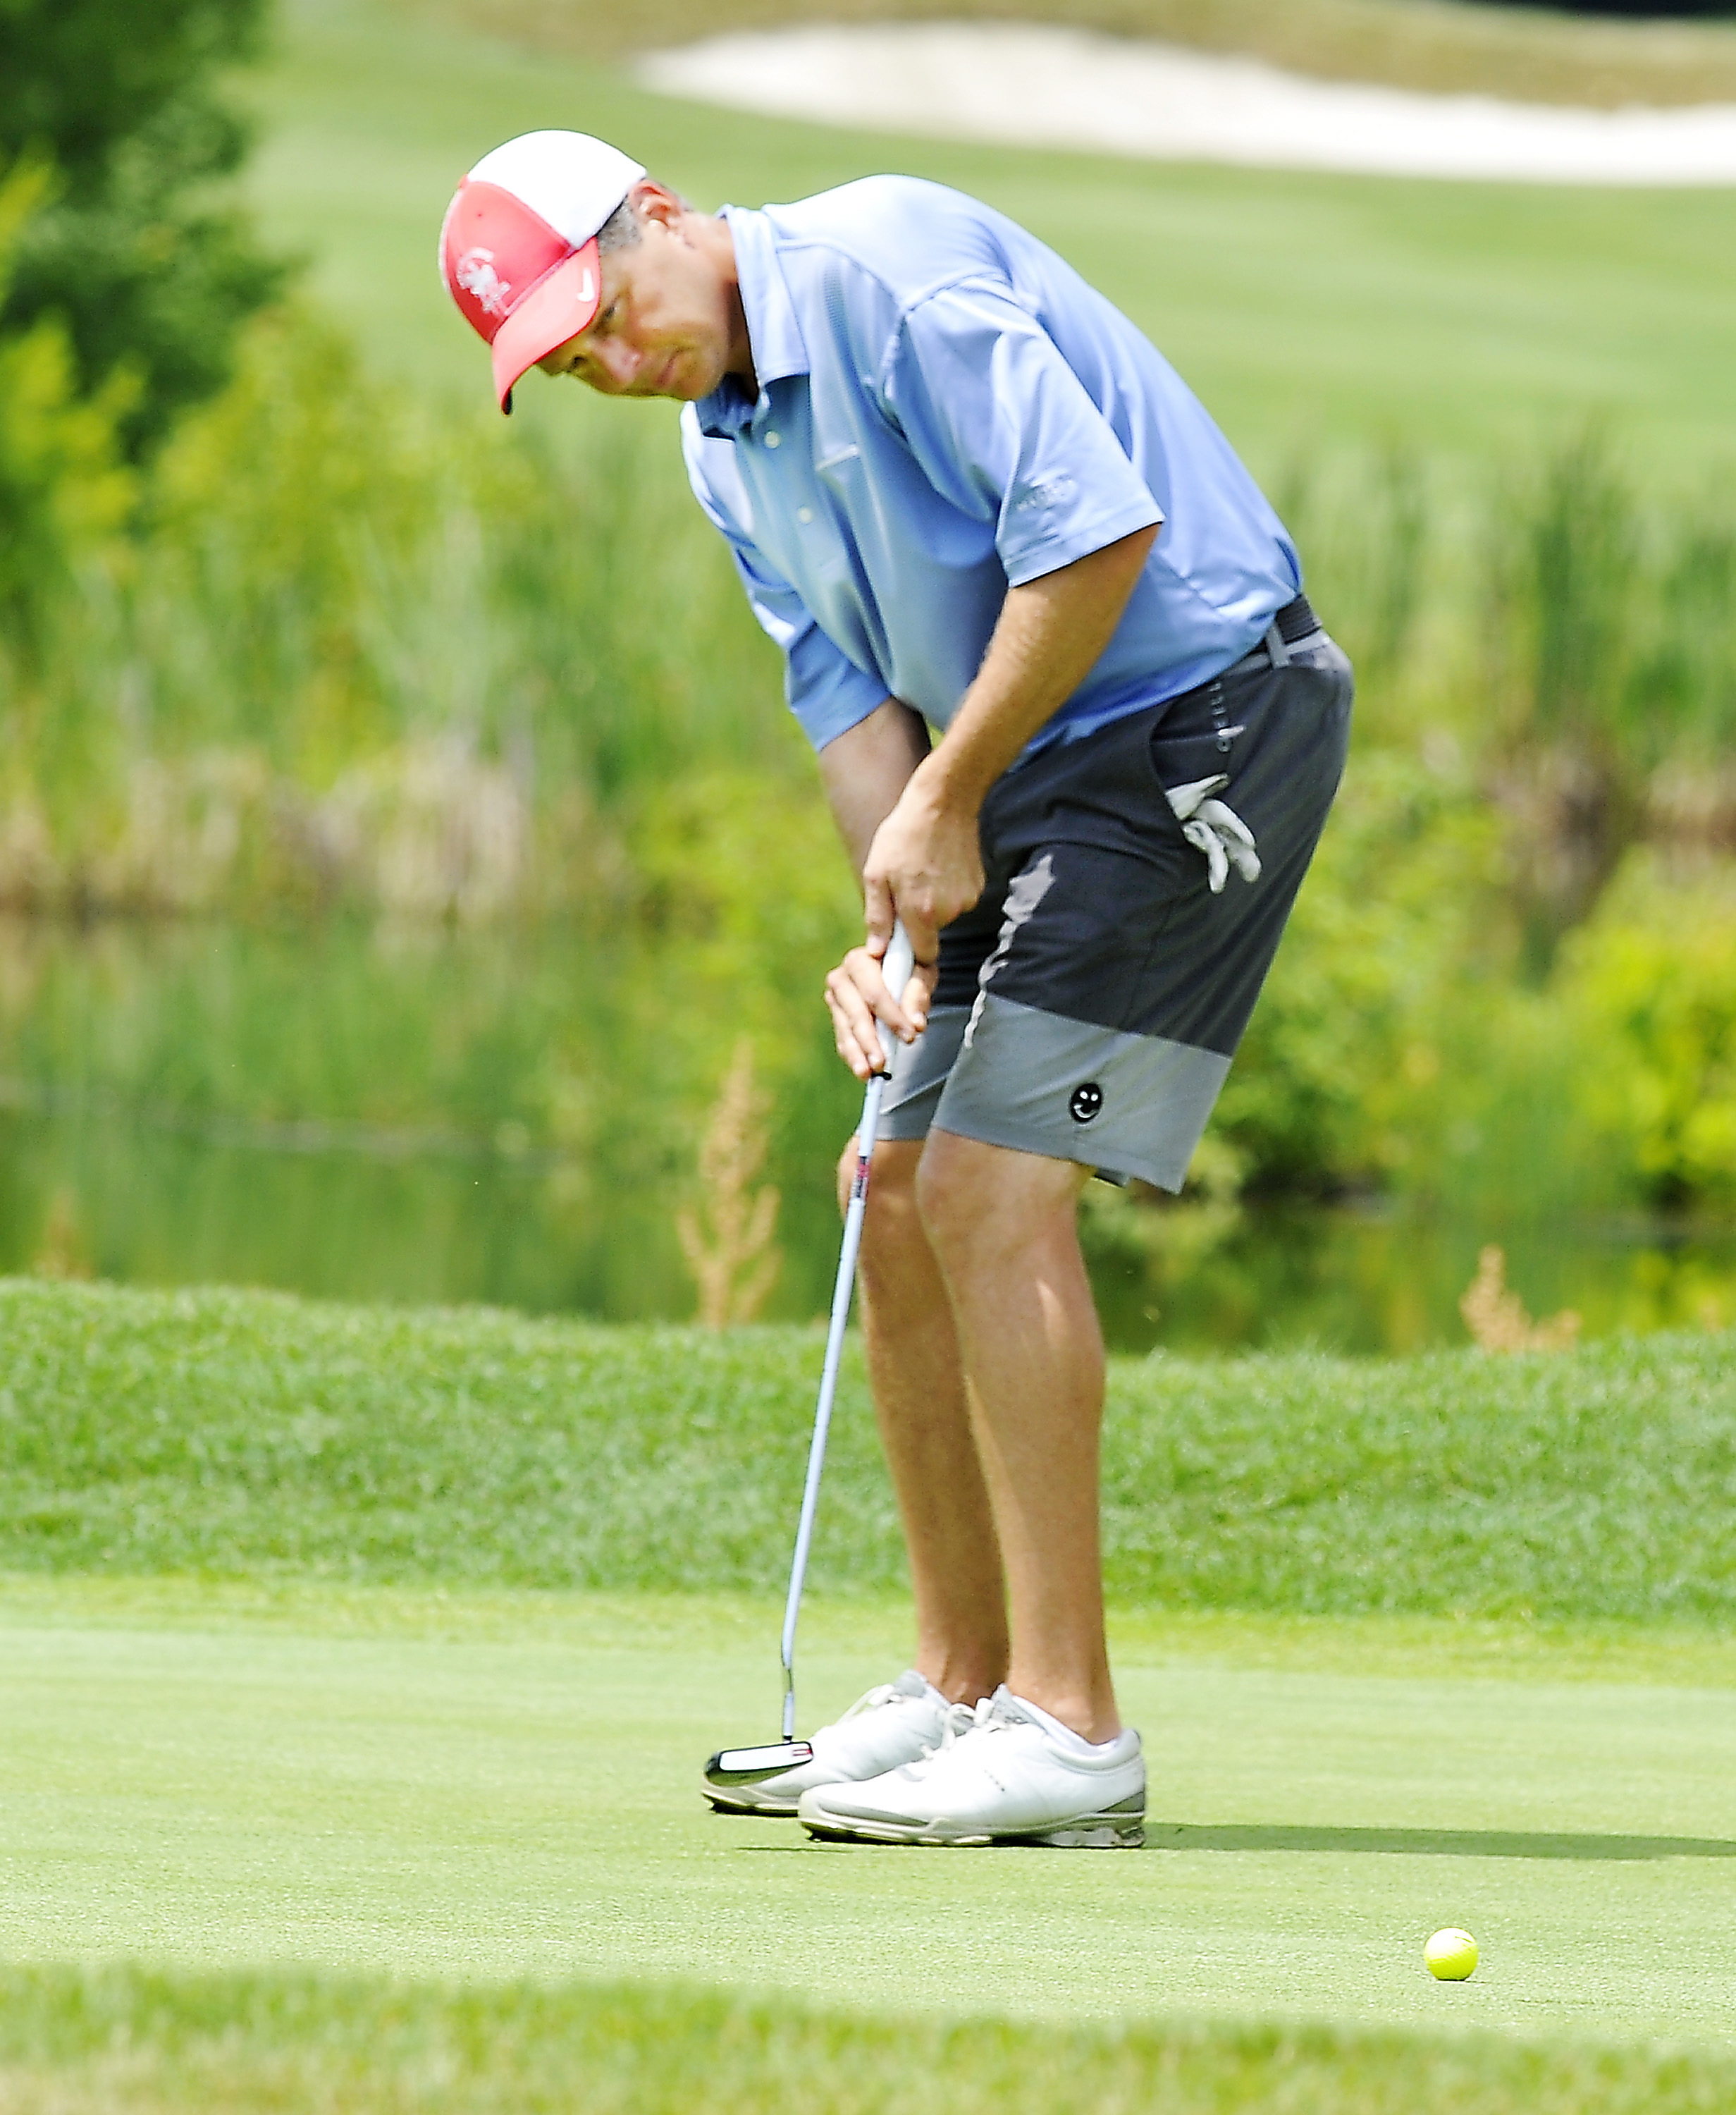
(745, 1766)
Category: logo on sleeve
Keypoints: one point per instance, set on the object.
(1085, 1101)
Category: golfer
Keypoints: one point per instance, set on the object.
(1080, 731)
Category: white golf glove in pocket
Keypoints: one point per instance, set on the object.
(1215, 829)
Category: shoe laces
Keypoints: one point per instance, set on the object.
(958, 1720)
(886, 1692)
(910, 1688)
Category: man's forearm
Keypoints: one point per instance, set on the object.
(925, 862)
(1050, 634)
(866, 769)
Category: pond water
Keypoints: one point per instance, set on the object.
(516, 1121)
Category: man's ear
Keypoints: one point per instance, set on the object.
(654, 201)
(651, 202)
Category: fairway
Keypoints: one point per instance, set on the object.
(469, 1787)
(1310, 311)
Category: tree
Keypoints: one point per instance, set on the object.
(61, 484)
(121, 105)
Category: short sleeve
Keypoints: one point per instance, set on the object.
(825, 689)
(1004, 428)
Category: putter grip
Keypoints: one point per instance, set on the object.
(896, 968)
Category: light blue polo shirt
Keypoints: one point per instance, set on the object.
(946, 409)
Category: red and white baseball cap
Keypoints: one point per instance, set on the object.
(518, 247)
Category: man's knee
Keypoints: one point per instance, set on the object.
(979, 1202)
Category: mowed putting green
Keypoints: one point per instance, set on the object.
(491, 1787)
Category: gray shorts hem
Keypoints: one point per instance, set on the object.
(984, 1134)
(1075, 1090)
(1013, 1075)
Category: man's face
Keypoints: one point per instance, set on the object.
(664, 326)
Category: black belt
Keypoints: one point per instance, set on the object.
(1293, 623)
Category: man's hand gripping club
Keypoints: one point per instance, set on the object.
(924, 867)
(909, 816)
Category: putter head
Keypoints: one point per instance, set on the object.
(750, 1766)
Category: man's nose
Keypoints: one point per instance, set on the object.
(620, 362)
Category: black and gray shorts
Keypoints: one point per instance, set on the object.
(1089, 1005)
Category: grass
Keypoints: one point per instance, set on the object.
(247, 1434)
(275, 1833)
(1442, 45)
(87, 2044)
(1310, 312)
(480, 1789)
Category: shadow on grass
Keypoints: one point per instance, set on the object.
(1390, 1842)
(1429, 1843)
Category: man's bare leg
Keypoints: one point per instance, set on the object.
(1003, 1228)
(925, 1428)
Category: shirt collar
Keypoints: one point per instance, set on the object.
(773, 331)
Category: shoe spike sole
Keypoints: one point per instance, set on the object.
(1096, 1833)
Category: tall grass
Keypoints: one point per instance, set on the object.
(1562, 637)
(353, 652)
(355, 655)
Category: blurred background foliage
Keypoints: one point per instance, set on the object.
(426, 779)
(120, 110)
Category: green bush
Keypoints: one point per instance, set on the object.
(1386, 956)
(1395, 1049)
(1648, 990)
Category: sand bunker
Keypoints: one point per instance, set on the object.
(1069, 88)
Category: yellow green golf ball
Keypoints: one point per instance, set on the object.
(1451, 1955)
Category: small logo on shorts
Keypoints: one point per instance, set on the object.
(1085, 1102)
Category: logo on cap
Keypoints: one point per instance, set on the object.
(475, 272)
(1085, 1102)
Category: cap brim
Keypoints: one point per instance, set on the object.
(558, 307)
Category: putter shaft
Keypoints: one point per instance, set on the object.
(897, 972)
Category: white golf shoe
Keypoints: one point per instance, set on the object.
(1010, 1773)
(900, 1722)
